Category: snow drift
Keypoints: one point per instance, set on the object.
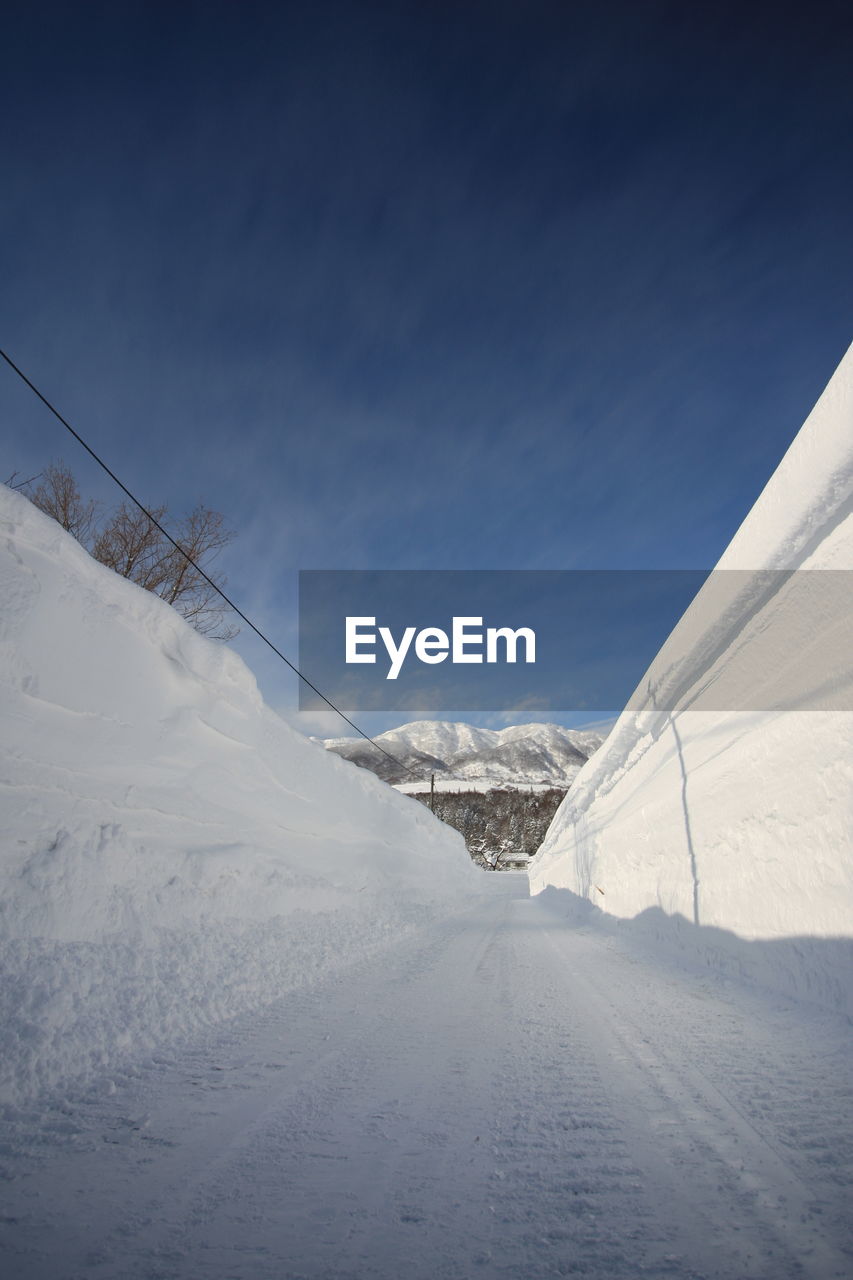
(172, 852)
(725, 827)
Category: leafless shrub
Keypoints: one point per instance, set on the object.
(130, 543)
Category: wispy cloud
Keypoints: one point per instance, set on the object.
(425, 291)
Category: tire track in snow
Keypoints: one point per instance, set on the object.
(695, 1070)
(497, 1098)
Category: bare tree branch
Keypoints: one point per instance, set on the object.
(131, 544)
(14, 483)
(59, 497)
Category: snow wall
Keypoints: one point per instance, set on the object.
(726, 834)
(172, 852)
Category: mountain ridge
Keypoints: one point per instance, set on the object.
(518, 755)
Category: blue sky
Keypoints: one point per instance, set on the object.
(471, 285)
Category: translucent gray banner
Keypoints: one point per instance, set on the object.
(530, 642)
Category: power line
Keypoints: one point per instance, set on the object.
(197, 567)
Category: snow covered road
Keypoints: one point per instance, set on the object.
(503, 1095)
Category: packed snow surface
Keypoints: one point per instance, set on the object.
(723, 826)
(172, 852)
(512, 1093)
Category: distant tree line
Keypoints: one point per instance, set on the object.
(500, 827)
(125, 540)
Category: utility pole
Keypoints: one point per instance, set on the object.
(432, 792)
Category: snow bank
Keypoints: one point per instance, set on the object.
(172, 852)
(721, 828)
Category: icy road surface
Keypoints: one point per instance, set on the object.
(501, 1096)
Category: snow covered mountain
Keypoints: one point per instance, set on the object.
(737, 824)
(520, 755)
(172, 852)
